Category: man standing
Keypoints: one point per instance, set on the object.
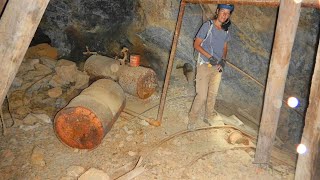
(211, 47)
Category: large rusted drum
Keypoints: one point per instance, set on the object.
(85, 121)
(137, 81)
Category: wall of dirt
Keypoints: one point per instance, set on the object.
(147, 28)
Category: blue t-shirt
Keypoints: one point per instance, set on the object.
(213, 41)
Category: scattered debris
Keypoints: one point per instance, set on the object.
(94, 174)
(75, 171)
(37, 157)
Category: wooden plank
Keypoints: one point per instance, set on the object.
(269, 3)
(307, 163)
(18, 24)
(287, 23)
(2, 4)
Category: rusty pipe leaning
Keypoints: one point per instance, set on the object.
(170, 63)
(267, 3)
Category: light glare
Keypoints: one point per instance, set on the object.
(301, 149)
(293, 102)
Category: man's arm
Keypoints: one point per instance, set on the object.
(225, 50)
(197, 46)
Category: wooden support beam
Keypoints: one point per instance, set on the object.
(287, 24)
(18, 24)
(2, 4)
(307, 163)
(269, 3)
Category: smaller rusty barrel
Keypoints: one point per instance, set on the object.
(138, 81)
(102, 67)
(84, 122)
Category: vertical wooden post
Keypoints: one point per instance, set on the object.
(306, 164)
(288, 18)
(18, 24)
(2, 4)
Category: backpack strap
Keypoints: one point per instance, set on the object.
(207, 35)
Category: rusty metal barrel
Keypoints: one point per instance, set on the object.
(84, 122)
(137, 81)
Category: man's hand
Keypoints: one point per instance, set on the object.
(213, 61)
(221, 65)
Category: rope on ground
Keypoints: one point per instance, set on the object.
(197, 129)
(215, 151)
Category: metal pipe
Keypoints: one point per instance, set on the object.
(268, 3)
(170, 63)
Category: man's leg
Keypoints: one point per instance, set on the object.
(202, 81)
(214, 83)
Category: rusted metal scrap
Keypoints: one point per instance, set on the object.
(84, 122)
(137, 81)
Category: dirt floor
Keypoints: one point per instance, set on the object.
(34, 152)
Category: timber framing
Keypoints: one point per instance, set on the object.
(18, 24)
(288, 19)
(268, 3)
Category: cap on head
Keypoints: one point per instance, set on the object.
(226, 6)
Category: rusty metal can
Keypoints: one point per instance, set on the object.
(134, 60)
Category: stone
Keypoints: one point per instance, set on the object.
(44, 69)
(67, 70)
(41, 50)
(51, 63)
(75, 171)
(55, 92)
(94, 174)
(131, 153)
(43, 117)
(82, 80)
(30, 119)
(16, 83)
(234, 137)
(57, 81)
(37, 157)
(16, 99)
(23, 111)
(28, 127)
(7, 157)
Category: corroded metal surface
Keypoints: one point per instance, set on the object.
(79, 128)
(89, 117)
(138, 81)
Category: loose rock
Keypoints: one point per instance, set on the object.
(94, 174)
(75, 171)
(37, 157)
(55, 92)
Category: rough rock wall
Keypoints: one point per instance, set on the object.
(253, 32)
(147, 28)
